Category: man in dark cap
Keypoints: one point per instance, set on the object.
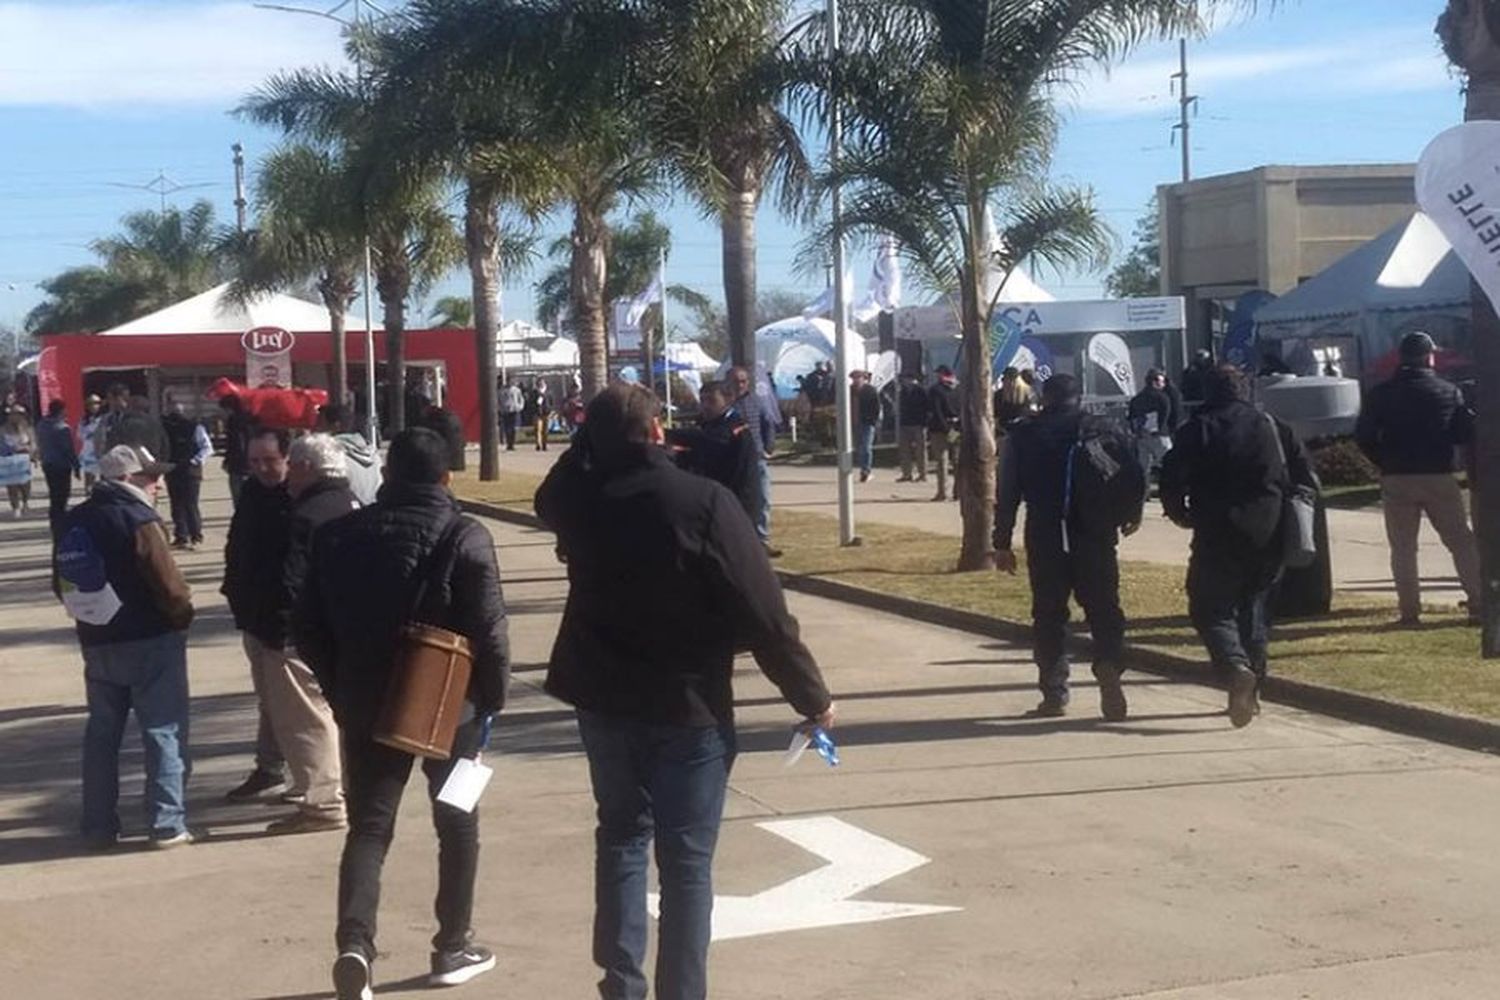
(1409, 427)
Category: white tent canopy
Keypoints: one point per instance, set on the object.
(527, 348)
(214, 311)
(691, 355)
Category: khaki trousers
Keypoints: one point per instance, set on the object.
(1406, 499)
(944, 447)
(911, 447)
(303, 723)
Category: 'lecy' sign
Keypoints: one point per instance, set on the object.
(1458, 186)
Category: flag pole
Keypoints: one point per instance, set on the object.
(844, 432)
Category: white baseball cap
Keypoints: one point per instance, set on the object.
(129, 460)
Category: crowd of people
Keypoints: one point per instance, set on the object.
(327, 568)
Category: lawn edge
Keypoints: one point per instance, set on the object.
(1453, 728)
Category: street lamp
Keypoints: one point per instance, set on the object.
(353, 24)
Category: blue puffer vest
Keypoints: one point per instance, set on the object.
(112, 517)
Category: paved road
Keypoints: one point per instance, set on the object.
(1361, 557)
(1166, 857)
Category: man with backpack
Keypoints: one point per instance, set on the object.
(1083, 488)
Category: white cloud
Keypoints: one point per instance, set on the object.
(1371, 65)
(153, 54)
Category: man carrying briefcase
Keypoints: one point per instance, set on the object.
(411, 556)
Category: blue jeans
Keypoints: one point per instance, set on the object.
(763, 515)
(665, 782)
(149, 676)
(864, 448)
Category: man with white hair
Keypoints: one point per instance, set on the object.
(317, 479)
(114, 573)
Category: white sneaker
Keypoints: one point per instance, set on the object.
(351, 977)
(181, 839)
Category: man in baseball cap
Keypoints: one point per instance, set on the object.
(113, 572)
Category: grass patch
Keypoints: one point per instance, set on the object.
(1354, 647)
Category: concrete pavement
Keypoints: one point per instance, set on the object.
(1361, 556)
(1169, 856)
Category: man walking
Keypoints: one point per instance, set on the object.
(116, 578)
(54, 440)
(300, 716)
(1082, 488)
(368, 574)
(254, 586)
(512, 401)
(1226, 477)
(865, 399)
(188, 447)
(1409, 428)
(911, 432)
(1150, 415)
(943, 421)
(762, 439)
(719, 447)
(655, 705)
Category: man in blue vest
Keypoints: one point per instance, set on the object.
(115, 575)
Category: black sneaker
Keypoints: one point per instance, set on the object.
(351, 977)
(452, 968)
(1051, 707)
(254, 786)
(1111, 693)
(1242, 699)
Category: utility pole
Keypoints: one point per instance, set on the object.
(239, 187)
(844, 432)
(1186, 103)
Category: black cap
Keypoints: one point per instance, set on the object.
(1416, 345)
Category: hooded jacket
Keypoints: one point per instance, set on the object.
(364, 467)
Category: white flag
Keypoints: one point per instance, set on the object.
(884, 294)
(823, 304)
(1458, 186)
(644, 301)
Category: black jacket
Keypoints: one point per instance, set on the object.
(914, 405)
(1225, 479)
(1411, 424)
(721, 450)
(255, 562)
(866, 404)
(942, 408)
(1034, 469)
(362, 583)
(1150, 412)
(666, 580)
(324, 501)
(182, 439)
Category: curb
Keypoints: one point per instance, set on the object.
(1453, 728)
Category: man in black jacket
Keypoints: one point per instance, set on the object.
(367, 572)
(1226, 476)
(943, 421)
(720, 447)
(643, 539)
(254, 568)
(1409, 428)
(864, 399)
(1150, 413)
(911, 431)
(1073, 524)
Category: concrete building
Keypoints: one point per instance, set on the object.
(1270, 228)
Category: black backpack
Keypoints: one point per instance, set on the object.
(1106, 487)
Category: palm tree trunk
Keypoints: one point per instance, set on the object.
(337, 291)
(737, 233)
(976, 447)
(586, 277)
(482, 240)
(392, 284)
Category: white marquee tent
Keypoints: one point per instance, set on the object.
(214, 311)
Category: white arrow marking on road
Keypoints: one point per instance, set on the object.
(857, 860)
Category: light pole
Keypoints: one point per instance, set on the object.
(843, 432)
(372, 425)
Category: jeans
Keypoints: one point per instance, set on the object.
(149, 676)
(1228, 592)
(375, 776)
(864, 448)
(763, 515)
(665, 782)
(509, 422)
(59, 487)
(183, 487)
(1089, 570)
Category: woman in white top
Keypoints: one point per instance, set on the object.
(16, 441)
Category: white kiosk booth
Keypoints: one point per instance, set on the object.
(1108, 344)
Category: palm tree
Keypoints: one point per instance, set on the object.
(158, 259)
(309, 227)
(950, 122)
(452, 310)
(715, 106)
(1470, 33)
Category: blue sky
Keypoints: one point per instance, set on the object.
(95, 97)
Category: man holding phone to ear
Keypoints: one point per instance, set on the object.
(667, 579)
